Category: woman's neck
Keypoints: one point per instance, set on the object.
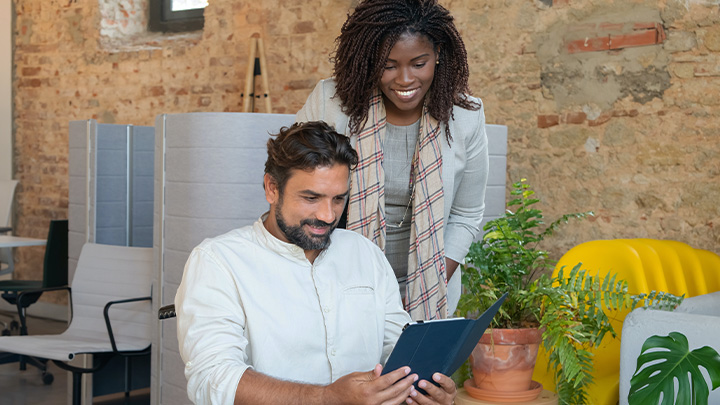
(398, 117)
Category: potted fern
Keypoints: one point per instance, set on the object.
(566, 314)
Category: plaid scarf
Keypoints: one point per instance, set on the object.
(427, 280)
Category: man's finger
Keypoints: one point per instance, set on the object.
(433, 393)
(394, 376)
(378, 370)
(399, 391)
(445, 382)
(443, 394)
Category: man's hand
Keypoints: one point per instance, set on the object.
(372, 388)
(444, 394)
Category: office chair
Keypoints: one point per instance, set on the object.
(23, 293)
(111, 314)
(55, 274)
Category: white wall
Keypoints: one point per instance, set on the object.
(6, 63)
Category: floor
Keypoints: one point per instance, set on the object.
(26, 387)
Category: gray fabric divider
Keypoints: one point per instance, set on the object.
(111, 185)
(208, 181)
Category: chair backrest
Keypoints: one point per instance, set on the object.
(652, 265)
(672, 266)
(691, 267)
(7, 192)
(607, 256)
(107, 273)
(710, 263)
(55, 267)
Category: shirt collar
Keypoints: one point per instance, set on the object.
(285, 249)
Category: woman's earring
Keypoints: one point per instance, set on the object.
(437, 62)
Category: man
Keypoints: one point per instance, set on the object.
(290, 310)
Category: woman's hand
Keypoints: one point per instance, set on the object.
(450, 267)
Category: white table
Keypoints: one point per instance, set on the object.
(9, 242)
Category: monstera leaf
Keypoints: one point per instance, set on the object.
(674, 361)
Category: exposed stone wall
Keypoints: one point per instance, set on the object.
(631, 133)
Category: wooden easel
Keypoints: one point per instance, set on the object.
(256, 66)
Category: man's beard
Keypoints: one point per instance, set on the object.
(297, 236)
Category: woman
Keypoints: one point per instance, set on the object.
(400, 91)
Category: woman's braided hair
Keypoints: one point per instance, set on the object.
(365, 42)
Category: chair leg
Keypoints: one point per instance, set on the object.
(76, 387)
(41, 364)
(128, 375)
(33, 361)
(23, 323)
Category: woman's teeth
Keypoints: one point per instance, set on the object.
(406, 93)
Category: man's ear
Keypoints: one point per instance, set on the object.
(272, 190)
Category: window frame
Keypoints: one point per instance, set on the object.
(163, 19)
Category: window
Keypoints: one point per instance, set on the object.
(177, 15)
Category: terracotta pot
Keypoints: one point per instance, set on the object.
(504, 359)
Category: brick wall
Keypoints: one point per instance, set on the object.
(630, 132)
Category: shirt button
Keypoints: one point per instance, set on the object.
(332, 352)
(326, 309)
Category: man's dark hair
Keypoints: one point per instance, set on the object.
(365, 42)
(306, 146)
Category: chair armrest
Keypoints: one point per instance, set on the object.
(107, 317)
(22, 294)
(168, 311)
(21, 306)
(706, 304)
(640, 324)
(47, 289)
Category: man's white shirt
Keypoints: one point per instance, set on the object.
(249, 300)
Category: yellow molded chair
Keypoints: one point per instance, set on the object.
(688, 267)
(672, 266)
(652, 265)
(647, 265)
(710, 264)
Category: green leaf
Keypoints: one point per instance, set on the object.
(571, 307)
(657, 371)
